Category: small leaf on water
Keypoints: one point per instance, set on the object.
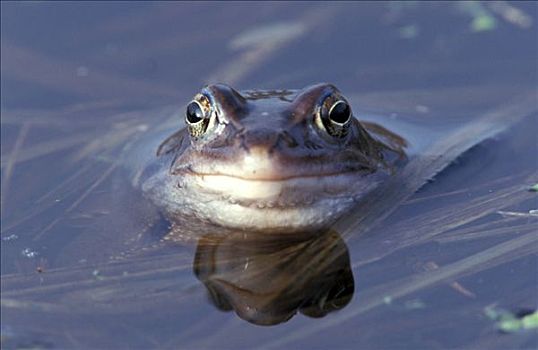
(509, 322)
(530, 321)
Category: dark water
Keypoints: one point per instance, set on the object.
(82, 266)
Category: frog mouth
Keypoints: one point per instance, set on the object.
(298, 203)
(277, 191)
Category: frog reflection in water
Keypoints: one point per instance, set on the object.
(283, 161)
(258, 177)
(267, 280)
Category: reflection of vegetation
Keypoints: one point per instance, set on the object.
(409, 31)
(482, 19)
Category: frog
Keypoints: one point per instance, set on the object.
(278, 161)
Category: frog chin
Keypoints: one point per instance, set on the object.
(275, 220)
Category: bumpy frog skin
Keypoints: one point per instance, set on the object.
(276, 161)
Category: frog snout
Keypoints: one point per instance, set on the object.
(261, 140)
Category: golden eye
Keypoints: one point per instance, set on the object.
(334, 117)
(197, 116)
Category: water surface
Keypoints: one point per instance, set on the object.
(82, 261)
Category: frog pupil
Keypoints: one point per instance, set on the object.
(340, 112)
(194, 113)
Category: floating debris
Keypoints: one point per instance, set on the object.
(29, 253)
(508, 322)
(414, 304)
(97, 275)
(432, 265)
(531, 213)
(11, 237)
(534, 188)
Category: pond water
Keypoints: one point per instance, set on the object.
(440, 257)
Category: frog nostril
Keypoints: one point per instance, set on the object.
(288, 139)
(266, 139)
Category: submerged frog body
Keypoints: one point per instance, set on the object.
(277, 161)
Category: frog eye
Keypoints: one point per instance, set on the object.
(334, 117)
(197, 116)
(340, 113)
(194, 112)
